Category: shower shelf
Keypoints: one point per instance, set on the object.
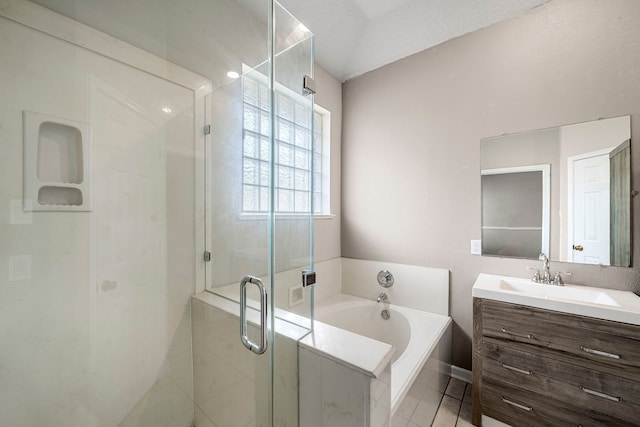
(56, 161)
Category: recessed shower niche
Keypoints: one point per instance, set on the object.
(56, 161)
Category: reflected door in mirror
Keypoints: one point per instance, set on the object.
(588, 217)
(589, 205)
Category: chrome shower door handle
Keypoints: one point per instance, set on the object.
(256, 348)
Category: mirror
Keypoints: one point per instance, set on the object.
(564, 192)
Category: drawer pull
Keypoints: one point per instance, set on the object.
(513, 368)
(599, 353)
(528, 336)
(599, 394)
(517, 405)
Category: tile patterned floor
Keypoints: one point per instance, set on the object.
(454, 409)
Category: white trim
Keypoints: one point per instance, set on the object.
(515, 169)
(258, 216)
(326, 159)
(546, 196)
(462, 374)
(570, 187)
(491, 227)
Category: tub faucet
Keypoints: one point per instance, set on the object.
(382, 297)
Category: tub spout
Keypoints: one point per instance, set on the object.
(382, 297)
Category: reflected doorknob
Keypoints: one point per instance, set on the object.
(578, 248)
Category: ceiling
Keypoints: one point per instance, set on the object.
(356, 36)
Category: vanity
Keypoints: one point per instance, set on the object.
(546, 355)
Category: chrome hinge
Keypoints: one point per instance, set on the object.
(207, 129)
(308, 85)
(308, 278)
(207, 256)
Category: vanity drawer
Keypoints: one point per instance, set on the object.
(608, 344)
(521, 408)
(561, 381)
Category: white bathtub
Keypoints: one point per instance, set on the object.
(413, 333)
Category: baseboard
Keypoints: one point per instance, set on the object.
(461, 374)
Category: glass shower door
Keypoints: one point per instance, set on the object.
(260, 231)
(294, 200)
(294, 171)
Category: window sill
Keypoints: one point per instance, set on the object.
(282, 216)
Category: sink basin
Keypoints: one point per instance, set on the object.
(601, 303)
(567, 292)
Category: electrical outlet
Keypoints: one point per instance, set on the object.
(476, 247)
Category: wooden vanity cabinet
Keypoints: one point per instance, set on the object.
(535, 367)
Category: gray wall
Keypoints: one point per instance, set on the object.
(412, 130)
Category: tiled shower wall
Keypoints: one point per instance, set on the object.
(94, 318)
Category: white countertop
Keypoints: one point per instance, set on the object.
(600, 303)
(356, 351)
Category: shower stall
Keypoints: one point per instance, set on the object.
(158, 167)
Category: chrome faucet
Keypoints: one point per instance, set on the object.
(382, 297)
(546, 278)
(546, 274)
(557, 279)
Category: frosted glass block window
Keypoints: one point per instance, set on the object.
(301, 152)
